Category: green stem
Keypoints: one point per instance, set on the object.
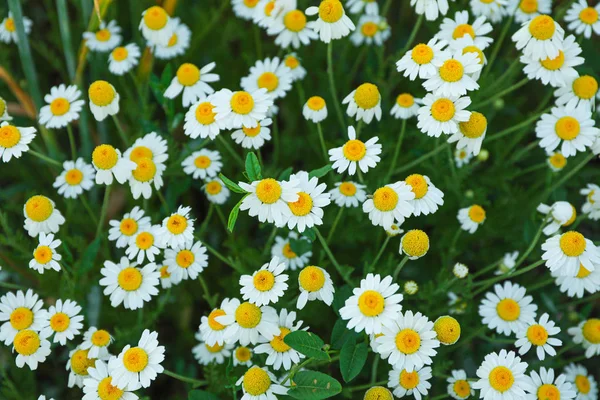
(336, 102)
(14, 286)
(269, 241)
(86, 205)
(335, 224)
(332, 258)
(222, 218)
(396, 151)
(163, 201)
(399, 267)
(72, 142)
(501, 93)
(379, 254)
(45, 158)
(532, 245)
(184, 378)
(65, 35)
(498, 45)
(103, 211)
(367, 386)
(424, 157)
(257, 41)
(374, 368)
(211, 209)
(295, 369)
(231, 150)
(515, 128)
(569, 175)
(120, 130)
(322, 141)
(489, 282)
(487, 268)
(221, 257)
(528, 170)
(212, 302)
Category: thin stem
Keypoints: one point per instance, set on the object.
(335, 223)
(209, 299)
(502, 93)
(514, 128)
(569, 175)
(378, 256)
(322, 141)
(65, 35)
(532, 245)
(336, 102)
(498, 45)
(374, 368)
(269, 241)
(222, 218)
(86, 205)
(103, 211)
(7, 285)
(120, 130)
(399, 267)
(367, 386)
(163, 201)
(45, 158)
(221, 257)
(231, 150)
(257, 40)
(185, 379)
(489, 282)
(396, 151)
(424, 157)
(413, 34)
(332, 258)
(211, 209)
(72, 142)
(487, 268)
(525, 171)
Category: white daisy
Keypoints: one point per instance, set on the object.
(315, 284)
(538, 335)
(78, 365)
(493, 10)
(258, 383)
(459, 387)
(540, 38)
(242, 355)
(200, 120)
(462, 157)
(421, 60)
(307, 211)
(332, 23)
(442, 114)
(128, 284)
(372, 30)
(155, 26)
(575, 286)
(107, 37)
(267, 11)
(525, 10)
(19, 312)
(427, 197)
(104, 99)
(453, 75)
(14, 140)
(591, 207)
(430, 8)
(31, 347)
(165, 277)
(146, 174)
(584, 384)
(212, 331)
(410, 382)
(364, 102)
(509, 260)
(587, 333)
(4, 111)
(282, 248)
(454, 29)
(502, 375)
(123, 59)
(237, 109)
(406, 106)
(471, 217)
(41, 215)
(545, 386)
(390, 203)
(578, 90)
(246, 323)
(293, 63)
(97, 341)
(278, 352)
(76, 177)
(206, 354)
(370, 7)
(253, 138)
(216, 192)
(471, 133)
(193, 81)
(124, 230)
(567, 252)
(8, 30)
(99, 384)
(108, 162)
(203, 164)
(348, 194)
(178, 228)
(355, 154)
(266, 285)
(562, 214)
(291, 28)
(556, 161)
(244, 9)
(268, 198)
(186, 261)
(583, 18)
(177, 44)
(63, 320)
(45, 256)
(151, 146)
(507, 310)
(63, 106)
(145, 244)
(466, 44)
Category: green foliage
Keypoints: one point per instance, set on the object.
(352, 358)
(312, 385)
(308, 344)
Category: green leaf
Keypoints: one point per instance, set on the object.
(234, 187)
(307, 343)
(253, 167)
(89, 256)
(201, 395)
(320, 172)
(340, 334)
(300, 246)
(352, 358)
(310, 234)
(285, 174)
(234, 214)
(312, 385)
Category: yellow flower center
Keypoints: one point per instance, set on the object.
(452, 70)
(443, 110)
(247, 315)
(462, 30)
(105, 156)
(590, 197)
(369, 29)
(101, 93)
(405, 100)
(250, 3)
(591, 330)
(572, 244)
(367, 96)
(475, 126)
(9, 136)
(73, 177)
(528, 6)
(302, 206)
(573, 216)
(554, 64)
(243, 354)
(537, 335)
(251, 132)
(188, 74)
(59, 322)
(583, 272)
(43, 254)
(185, 258)
(268, 80)
(120, 54)
(214, 325)
(155, 18)
(501, 379)
(145, 170)
(213, 188)
(26, 342)
(2, 106)
(385, 199)
(462, 388)
(508, 309)
(39, 208)
(100, 338)
(214, 349)
(264, 280)
(21, 318)
(447, 329)
(103, 35)
(173, 41)
(242, 102)
(548, 392)
(567, 128)
(378, 393)
(316, 103)
(585, 87)
(583, 384)
(331, 11)
(135, 359)
(477, 50)
(202, 162)
(278, 344)
(128, 226)
(130, 279)
(294, 20)
(348, 189)
(589, 15)
(422, 54)
(80, 362)
(557, 160)
(205, 114)
(311, 279)
(408, 341)
(418, 184)
(415, 243)
(256, 381)
(542, 27)
(60, 106)
(292, 62)
(288, 252)
(476, 214)
(140, 152)
(106, 391)
(269, 7)
(10, 25)
(371, 303)
(268, 191)
(354, 150)
(177, 224)
(409, 380)
(144, 240)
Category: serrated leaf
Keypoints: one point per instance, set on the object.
(201, 395)
(307, 343)
(234, 187)
(320, 172)
(312, 385)
(253, 169)
(352, 358)
(300, 246)
(340, 334)
(285, 174)
(310, 234)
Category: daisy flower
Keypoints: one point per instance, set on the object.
(509, 260)
(258, 383)
(41, 215)
(127, 284)
(462, 157)
(430, 8)
(104, 100)
(332, 23)
(8, 29)
(106, 38)
(507, 310)
(414, 243)
(427, 197)
(370, 7)
(108, 162)
(216, 192)
(63, 320)
(526, 10)
(140, 365)
(178, 228)
(576, 286)
(269, 74)
(165, 277)
(244, 9)
(96, 341)
(31, 347)
(378, 393)
(268, 199)
(267, 11)
(186, 261)
(291, 28)
(315, 284)
(145, 174)
(145, 244)
(253, 138)
(348, 194)
(459, 387)
(545, 386)
(364, 102)
(193, 81)
(583, 18)
(266, 285)
(246, 322)
(151, 146)
(355, 154)
(587, 333)
(562, 214)
(19, 312)
(123, 59)
(406, 106)
(63, 106)
(407, 382)
(372, 30)
(78, 365)
(453, 75)
(470, 133)
(540, 38)
(177, 44)
(212, 332)
(14, 140)
(466, 44)
(206, 355)
(4, 111)
(99, 384)
(460, 270)
(556, 161)
(389, 204)
(538, 335)
(411, 288)
(421, 60)
(155, 26)
(124, 231)
(307, 211)
(442, 114)
(315, 109)
(394, 230)
(578, 90)
(242, 355)
(237, 109)
(471, 217)
(591, 207)
(584, 384)
(200, 120)
(567, 252)
(283, 249)
(493, 10)
(454, 29)
(293, 63)
(45, 256)
(76, 177)
(373, 305)
(278, 352)
(502, 375)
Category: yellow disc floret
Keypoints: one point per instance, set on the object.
(422, 54)
(443, 110)
(588, 15)
(385, 199)
(583, 384)
(177, 224)
(156, 18)
(103, 35)
(59, 322)
(277, 342)
(354, 150)
(213, 188)
(80, 362)
(572, 244)
(553, 64)
(542, 27)
(452, 70)
(501, 379)
(256, 381)
(462, 388)
(214, 325)
(583, 272)
(39, 208)
(409, 380)
(447, 329)
(248, 315)
(101, 93)
(243, 354)
(369, 29)
(347, 189)
(9, 136)
(591, 330)
(106, 391)
(331, 11)
(477, 214)
(311, 279)
(144, 240)
(26, 342)
(251, 132)
(557, 160)
(21, 318)
(73, 177)
(537, 335)
(263, 280)
(302, 206)
(43, 254)
(100, 338)
(188, 74)
(268, 80)
(316, 103)
(415, 243)
(367, 96)
(508, 309)
(378, 393)
(60, 106)
(185, 258)
(120, 53)
(242, 103)
(405, 100)
(528, 6)
(418, 185)
(567, 128)
(135, 359)
(268, 191)
(105, 156)
(294, 20)
(371, 303)
(130, 279)
(475, 127)
(288, 252)
(128, 226)
(585, 87)
(205, 114)
(462, 30)
(145, 170)
(408, 341)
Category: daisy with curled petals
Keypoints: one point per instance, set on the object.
(283, 249)
(453, 75)
(244, 9)
(502, 375)
(41, 215)
(63, 106)
(18, 312)
(200, 120)
(145, 244)
(567, 252)
(507, 310)
(203, 164)
(556, 161)
(431, 8)
(31, 347)
(576, 286)
(97, 341)
(155, 26)
(216, 192)
(246, 322)
(578, 90)
(373, 305)
(406, 106)
(212, 332)
(370, 7)
(236, 109)
(526, 10)
(14, 140)
(293, 63)
(427, 197)
(193, 81)
(389, 204)
(355, 154)
(348, 194)
(177, 44)
(279, 354)
(165, 277)
(76, 177)
(8, 30)
(104, 99)
(364, 102)
(332, 23)
(253, 138)
(556, 71)
(45, 256)
(127, 284)
(471, 217)
(587, 333)
(407, 382)
(266, 285)
(292, 28)
(315, 284)
(470, 133)
(584, 383)
(178, 228)
(146, 174)
(466, 44)
(124, 230)
(108, 162)
(545, 386)
(442, 114)
(508, 263)
(315, 109)
(307, 211)
(421, 60)
(242, 355)
(4, 111)
(186, 262)
(78, 365)
(591, 207)
(268, 199)
(538, 335)
(123, 59)
(562, 214)
(462, 157)
(394, 230)
(454, 29)
(583, 18)
(140, 365)
(493, 10)
(258, 384)
(459, 387)
(99, 384)
(107, 37)
(372, 30)
(206, 354)
(63, 320)
(540, 38)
